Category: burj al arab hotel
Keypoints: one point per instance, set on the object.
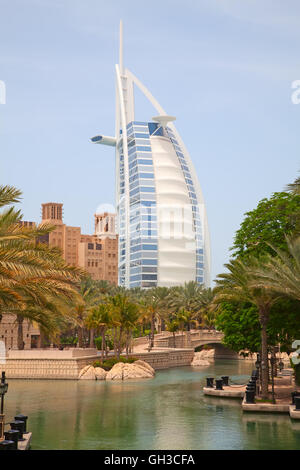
(161, 216)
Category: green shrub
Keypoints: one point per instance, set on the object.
(110, 362)
(69, 340)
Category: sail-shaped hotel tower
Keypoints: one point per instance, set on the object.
(162, 224)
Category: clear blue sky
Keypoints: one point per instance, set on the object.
(224, 68)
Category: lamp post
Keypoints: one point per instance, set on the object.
(273, 362)
(3, 390)
(280, 364)
(258, 367)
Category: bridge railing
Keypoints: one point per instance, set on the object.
(186, 339)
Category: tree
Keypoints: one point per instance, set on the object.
(242, 331)
(239, 322)
(173, 326)
(153, 305)
(207, 308)
(238, 285)
(187, 297)
(99, 318)
(281, 273)
(270, 222)
(183, 317)
(33, 276)
(294, 187)
(87, 297)
(124, 317)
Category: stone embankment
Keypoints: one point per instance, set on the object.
(202, 358)
(120, 371)
(68, 364)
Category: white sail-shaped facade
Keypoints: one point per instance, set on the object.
(162, 223)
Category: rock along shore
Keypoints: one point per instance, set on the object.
(120, 371)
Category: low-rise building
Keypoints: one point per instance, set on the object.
(97, 254)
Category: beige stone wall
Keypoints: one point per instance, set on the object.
(9, 332)
(166, 359)
(69, 368)
(100, 264)
(45, 368)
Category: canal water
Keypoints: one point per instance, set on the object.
(167, 412)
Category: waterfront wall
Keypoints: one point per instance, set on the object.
(46, 368)
(63, 365)
(47, 363)
(166, 359)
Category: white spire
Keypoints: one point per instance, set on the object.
(121, 48)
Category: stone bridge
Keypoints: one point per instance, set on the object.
(194, 339)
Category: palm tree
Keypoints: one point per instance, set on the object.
(32, 275)
(208, 309)
(238, 285)
(294, 187)
(128, 321)
(153, 306)
(183, 317)
(124, 318)
(87, 297)
(281, 273)
(188, 297)
(104, 287)
(173, 326)
(100, 319)
(49, 313)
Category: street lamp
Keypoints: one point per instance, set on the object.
(3, 391)
(258, 361)
(273, 362)
(258, 368)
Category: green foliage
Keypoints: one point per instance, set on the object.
(69, 340)
(263, 400)
(270, 222)
(284, 323)
(241, 327)
(108, 341)
(109, 363)
(205, 347)
(147, 332)
(35, 282)
(173, 326)
(137, 333)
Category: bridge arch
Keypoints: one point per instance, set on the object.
(221, 352)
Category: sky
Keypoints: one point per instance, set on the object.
(224, 68)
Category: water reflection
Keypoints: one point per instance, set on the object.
(168, 412)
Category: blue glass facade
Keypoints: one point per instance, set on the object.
(143, 230)
(142, 203)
